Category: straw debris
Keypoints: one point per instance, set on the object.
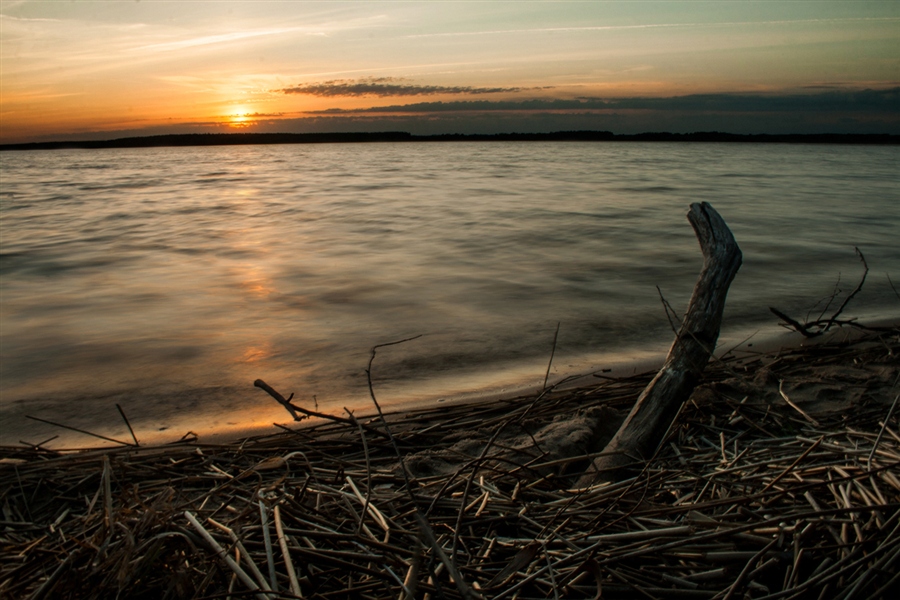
(747, 498)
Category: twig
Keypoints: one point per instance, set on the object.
(124, 418)
(220, 552)
(424, 526)
(550, 572)
(294, 409)
(896, 293)
(881, 432)
(823, 325)
(746, 569)
(794, 406)
(802, 329)
(51, 581)
(289, 565)
(795, 463)
(412, 575)
(39, 444)
(552, 352)
(387, 428)
(106, 486)
(670, 312)
(834, 294)
(267, 540)
(96, 435)
(285, 402)
(833, 318)
(243, 552)
(464, 590)
(465, 496)
(362, 435)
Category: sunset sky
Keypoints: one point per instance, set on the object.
(89, 70)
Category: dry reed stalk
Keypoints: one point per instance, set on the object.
(745, 499)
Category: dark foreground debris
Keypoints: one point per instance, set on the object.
(780, 479)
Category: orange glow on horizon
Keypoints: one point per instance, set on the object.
(71, 70)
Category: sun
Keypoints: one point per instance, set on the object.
(241, 117)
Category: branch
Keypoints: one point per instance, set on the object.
(803, 329)
(862, 258)
(820, 326)
(294, 409)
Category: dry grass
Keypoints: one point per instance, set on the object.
(747, 497)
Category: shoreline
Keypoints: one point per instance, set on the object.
(643, 368)
(519, 382)
(749, 494)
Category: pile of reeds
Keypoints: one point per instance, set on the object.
(748, 497)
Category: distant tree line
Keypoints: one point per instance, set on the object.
(236, 139)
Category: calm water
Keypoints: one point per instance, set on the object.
(167, 280)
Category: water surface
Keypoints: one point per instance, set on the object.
(166, 280)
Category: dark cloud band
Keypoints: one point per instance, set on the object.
(386, 87)
(887, 100)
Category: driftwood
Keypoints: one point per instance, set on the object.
(659, 403)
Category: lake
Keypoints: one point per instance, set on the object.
(166, 280)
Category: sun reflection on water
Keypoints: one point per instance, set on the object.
(257, 353)
(260, 287)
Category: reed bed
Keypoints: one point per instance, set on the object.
(750, 496)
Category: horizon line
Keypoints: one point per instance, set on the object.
(262, 138)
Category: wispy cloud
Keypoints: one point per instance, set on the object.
(646, 26)
(546, 30)
(385, 87)
(58, 49)
(222, 39)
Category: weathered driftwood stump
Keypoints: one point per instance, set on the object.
(659, 403)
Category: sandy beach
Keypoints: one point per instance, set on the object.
(779, 479)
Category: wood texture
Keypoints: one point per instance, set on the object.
(659, 403)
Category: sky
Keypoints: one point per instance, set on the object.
(72, 69)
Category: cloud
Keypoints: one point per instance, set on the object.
(259, 115)
(475, 106)
(824, 111)
(221, 38)
(547, 30)
(836, 100)
(844, 111)
(384, 87)
(626, 122)
(706, 24)
(883, 101)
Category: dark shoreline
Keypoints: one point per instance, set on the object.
(238, 139)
